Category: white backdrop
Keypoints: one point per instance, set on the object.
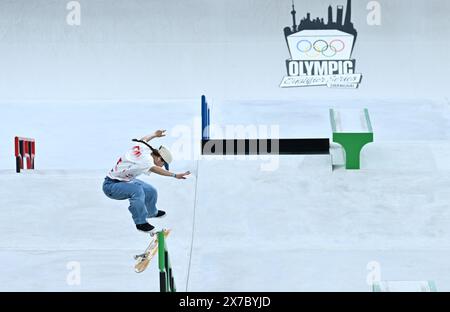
(229, 49)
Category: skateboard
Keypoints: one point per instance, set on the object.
(143, 260)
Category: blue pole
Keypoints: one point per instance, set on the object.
(204, 112)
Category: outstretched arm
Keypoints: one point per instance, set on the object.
(157, 134)
(166, 173)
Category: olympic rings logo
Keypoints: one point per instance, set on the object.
(321, 47)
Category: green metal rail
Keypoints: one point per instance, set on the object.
(166, 280)
(352, 142)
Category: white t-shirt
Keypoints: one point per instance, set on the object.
(136, 161)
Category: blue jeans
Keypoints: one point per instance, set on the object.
(142, 197)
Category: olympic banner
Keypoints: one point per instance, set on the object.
(321, 53)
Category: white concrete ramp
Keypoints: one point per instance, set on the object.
(302, 229)
(52, 219)
(299, 227)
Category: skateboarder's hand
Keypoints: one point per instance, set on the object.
(183, 175)
(159, 133)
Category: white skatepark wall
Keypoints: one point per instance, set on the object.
(233, 49)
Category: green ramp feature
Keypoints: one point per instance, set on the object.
(352, 140)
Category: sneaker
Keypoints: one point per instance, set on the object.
(146, 227)
(160, 214)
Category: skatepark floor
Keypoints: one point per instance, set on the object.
(300, 226)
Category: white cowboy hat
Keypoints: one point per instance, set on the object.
(165, 155)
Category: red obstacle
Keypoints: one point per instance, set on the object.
(24, 148)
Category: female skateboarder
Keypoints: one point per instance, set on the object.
(121, 181)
